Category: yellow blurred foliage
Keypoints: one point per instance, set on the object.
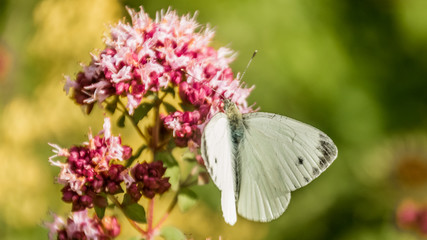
(26, 125)
(51, 112)
(30, 122)
(63, 30)
(23, 189)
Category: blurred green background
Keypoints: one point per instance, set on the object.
(355, 69)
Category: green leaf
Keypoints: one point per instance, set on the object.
(112, 106)
(189, 156)
(127, 200)
(186, 107)
(141, 111)
(121, 121)
(136, 155)
(167, 158)
(174, 174)
(169, 107)
(170, 90)
(172, 168)
(186, 199)
(135, 212)
(171, 145)
(100, 212)
(172, 233)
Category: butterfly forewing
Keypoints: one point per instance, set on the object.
(217, 153)
(278, 155)
(297, 152)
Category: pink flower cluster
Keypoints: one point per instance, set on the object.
(411, 215)
(89, 169)
(148, 180)
(153, 55)
(185, 126)
(79, 226)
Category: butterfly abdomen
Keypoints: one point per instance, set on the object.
(236, 122)
(237, 133)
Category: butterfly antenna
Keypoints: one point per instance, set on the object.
(247, 66)
(201, 81)
(239, 77)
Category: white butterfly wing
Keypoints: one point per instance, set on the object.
(260, 198)
(217, 153)
(277, 156)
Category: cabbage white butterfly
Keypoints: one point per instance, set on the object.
(257, 159)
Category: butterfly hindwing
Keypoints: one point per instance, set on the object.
(217, 153)
(278, 155)
(261, 197)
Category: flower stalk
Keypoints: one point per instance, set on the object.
(134, 124)
(132, 223)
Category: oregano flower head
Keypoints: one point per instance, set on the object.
(80, 226)
(170, 54)
(89, 169)
(148, 180)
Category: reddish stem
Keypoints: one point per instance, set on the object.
(150, 213)
(162, 220)
(168, 211)
(150, 230)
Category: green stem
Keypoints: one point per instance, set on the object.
(154, 147)
(186, 183)
(156, 130)
(155, 144)
(135, 125)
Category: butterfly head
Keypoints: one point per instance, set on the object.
(230, 108)
(228, 104)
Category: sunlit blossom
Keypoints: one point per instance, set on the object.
(89, 169)
(80, 226)
(150, 55)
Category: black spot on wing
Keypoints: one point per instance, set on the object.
(322, 162)
(316, 171)
(216, 160)
(327, 149)
(306, 179)
(300, 160)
